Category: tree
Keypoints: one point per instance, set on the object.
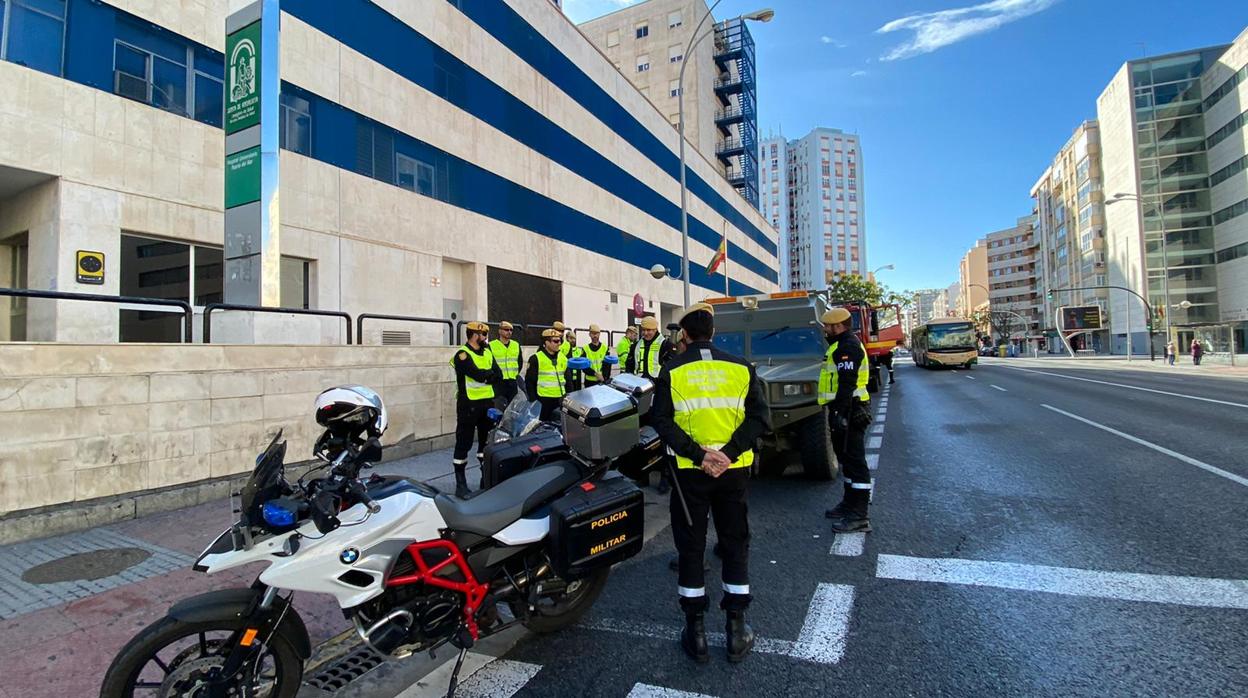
(852, 287)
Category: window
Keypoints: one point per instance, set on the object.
(674, 19)
(209, 89)
(673, 88)
(162, 70)
(613, 38)
(34, 34)
(415, 175)
(295, 274)
(154, 268)
(675, 54)
(643, 30)
(643, 63)
(295, 133)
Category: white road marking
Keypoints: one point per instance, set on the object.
(822, 638)
(877, 428)
(482, 676)
(875, 442)
(848, 544)
(1068, 581)
(873, 461)
(1000, 388)
(1160, 449)
(970, 377)
(1132, 387)
(645, 690)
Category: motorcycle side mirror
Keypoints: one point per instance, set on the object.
(370, 452)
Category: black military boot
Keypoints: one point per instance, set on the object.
(461, 482)
(838, 511)
(854, 518)
(693, 638)
(740, 636)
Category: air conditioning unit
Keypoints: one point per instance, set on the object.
(129, 86)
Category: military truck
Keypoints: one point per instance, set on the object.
(782, 336)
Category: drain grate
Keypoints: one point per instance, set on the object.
(342, 671)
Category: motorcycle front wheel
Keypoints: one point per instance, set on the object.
(561, 603)
(175, 658)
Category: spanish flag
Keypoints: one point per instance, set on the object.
(720, 256)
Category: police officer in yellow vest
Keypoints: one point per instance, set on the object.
(476, 374)
(709, 410)
(843, 388)
(507, 353)
(624, 347)
(599, 371)
(565, 349)
(650, 352)
(546, 379)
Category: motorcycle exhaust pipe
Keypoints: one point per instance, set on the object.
(388, 634)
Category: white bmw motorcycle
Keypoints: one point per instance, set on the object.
(412, 568)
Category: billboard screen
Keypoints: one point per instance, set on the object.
(1081, 317)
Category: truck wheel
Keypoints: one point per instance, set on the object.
(770, 463)
(814, 442)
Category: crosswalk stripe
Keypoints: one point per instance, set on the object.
(848, 544)
(645, 690)
(482, 676)
(873, 461)
(875, 442)
(877, 428)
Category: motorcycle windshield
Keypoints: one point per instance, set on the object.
(518, 417)
(266, 478)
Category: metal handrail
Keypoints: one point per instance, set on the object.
(359, 323)
(459, 326)
(187, 313)
(262, 309)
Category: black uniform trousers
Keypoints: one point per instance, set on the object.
(723, 498)
(550, 408)
(850, 445)
(471, 420)
(507, 391)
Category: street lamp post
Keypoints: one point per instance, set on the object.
(764, 15)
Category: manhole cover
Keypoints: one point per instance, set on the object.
(96, 564)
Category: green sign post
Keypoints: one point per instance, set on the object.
(242, 177)
(242, 94)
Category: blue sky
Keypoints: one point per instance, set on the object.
(960, 105)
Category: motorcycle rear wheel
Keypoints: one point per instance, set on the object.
(564, 609)
(173, 658)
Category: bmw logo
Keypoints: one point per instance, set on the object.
(349, 556)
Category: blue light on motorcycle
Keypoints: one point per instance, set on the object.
(277, 515)
(611, 360)
(580, 363)
(494, 414)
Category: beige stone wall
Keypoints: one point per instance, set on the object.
(79, 422)
(1115, 113)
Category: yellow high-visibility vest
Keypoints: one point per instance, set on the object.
(828, 378)
(473, 389)
(550, 373)
(647, 362)
(708, 399)
(507, 356)
(595, 360)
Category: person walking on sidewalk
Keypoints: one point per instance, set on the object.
(709, 410)
(476, 375)
(1197, 351)
(843, 388)
(1170, 350)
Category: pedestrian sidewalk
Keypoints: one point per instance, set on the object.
(69, 603)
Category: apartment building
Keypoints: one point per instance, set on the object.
(1012, 281)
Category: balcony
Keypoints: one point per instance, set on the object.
(735, 176)
(728, 85)
(728, 116)
(730, 148)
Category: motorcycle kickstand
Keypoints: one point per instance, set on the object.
(459, 664)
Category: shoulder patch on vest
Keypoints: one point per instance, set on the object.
(462, 355)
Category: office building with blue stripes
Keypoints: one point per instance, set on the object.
(467, 159)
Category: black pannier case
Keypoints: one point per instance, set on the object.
(506, 459)
(593, 528)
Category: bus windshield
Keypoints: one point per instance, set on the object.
(952, 336)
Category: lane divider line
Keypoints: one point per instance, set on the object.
(1128, 586)
(970, 378)
(1160, 449)
(1132, 387)
(645, 690)
(1000, 388)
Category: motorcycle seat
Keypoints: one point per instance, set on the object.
(498, 507)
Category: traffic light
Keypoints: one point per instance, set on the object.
(1049, 295)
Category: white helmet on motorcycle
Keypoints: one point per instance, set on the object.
(352, 409)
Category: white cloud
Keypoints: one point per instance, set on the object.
(935, 30)
(858, 74)
(825, 39)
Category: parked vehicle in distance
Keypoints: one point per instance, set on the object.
(944, 342)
